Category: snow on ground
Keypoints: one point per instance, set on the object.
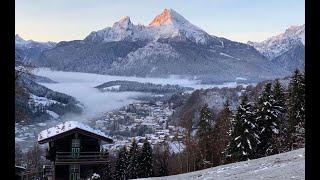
(53, 114)
(227, 55)
(112, 88)
(285, 166)
(36, 100)
(176, 146)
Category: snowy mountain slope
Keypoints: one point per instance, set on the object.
(83, 56)
(20, 42)
(217, 63)
(284, 166)
(169, 24)
(40, 103)
(169, 45)
(28, 50)
(277, 45)
(292, 59)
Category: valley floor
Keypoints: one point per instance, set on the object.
(290, 165)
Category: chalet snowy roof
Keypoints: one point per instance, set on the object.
(68, 126)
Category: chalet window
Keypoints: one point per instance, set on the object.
(75, 142)
(74, 170)
(75, 148)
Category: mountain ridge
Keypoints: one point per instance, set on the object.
(169, 45)
(285, 49)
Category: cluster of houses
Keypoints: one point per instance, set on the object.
(153, 117)
(77, 150)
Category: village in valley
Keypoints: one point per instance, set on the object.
(141, 120)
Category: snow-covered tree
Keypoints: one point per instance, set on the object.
(146, 161)
(204, 134)
(296, 111)
(244, 137)
(133, 160)
(121, 172)
(106, 173)
(279, 144)
(94, 176)
(267, 121)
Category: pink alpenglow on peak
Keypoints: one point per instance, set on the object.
(168, 24)
(167, 17)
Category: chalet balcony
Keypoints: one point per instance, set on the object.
(65, 158)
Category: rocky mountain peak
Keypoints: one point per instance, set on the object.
(167, 17)
(123, 23)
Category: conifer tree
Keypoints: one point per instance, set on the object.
(133, 160)
(267, 121)
(221, 134)
(244, 138)
(296, 111)
(106, 169)
(121, 172)
(279, 144)
(204, 134)
(146, 161)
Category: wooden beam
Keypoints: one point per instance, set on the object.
(80, 162)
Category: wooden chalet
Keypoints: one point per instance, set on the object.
(75, 151)
(19, 173)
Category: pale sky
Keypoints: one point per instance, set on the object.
(238, 20)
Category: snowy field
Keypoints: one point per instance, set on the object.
(285, 166)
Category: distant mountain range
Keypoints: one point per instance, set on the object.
(169, 45)
(286, 49)
(27, 51)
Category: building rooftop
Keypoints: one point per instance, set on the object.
(66, 127)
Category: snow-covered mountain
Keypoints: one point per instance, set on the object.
(169, 45)
(285, 49)
(169, 24)
(276, 45)
(28, 50)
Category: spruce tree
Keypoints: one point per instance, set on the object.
(106, 169)
(121, 172)
(133, 160)
(146, 161)
(296, 111)
(244, 138)
(267, 121)
(221, 134)
(204, 134)
(279, 145)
